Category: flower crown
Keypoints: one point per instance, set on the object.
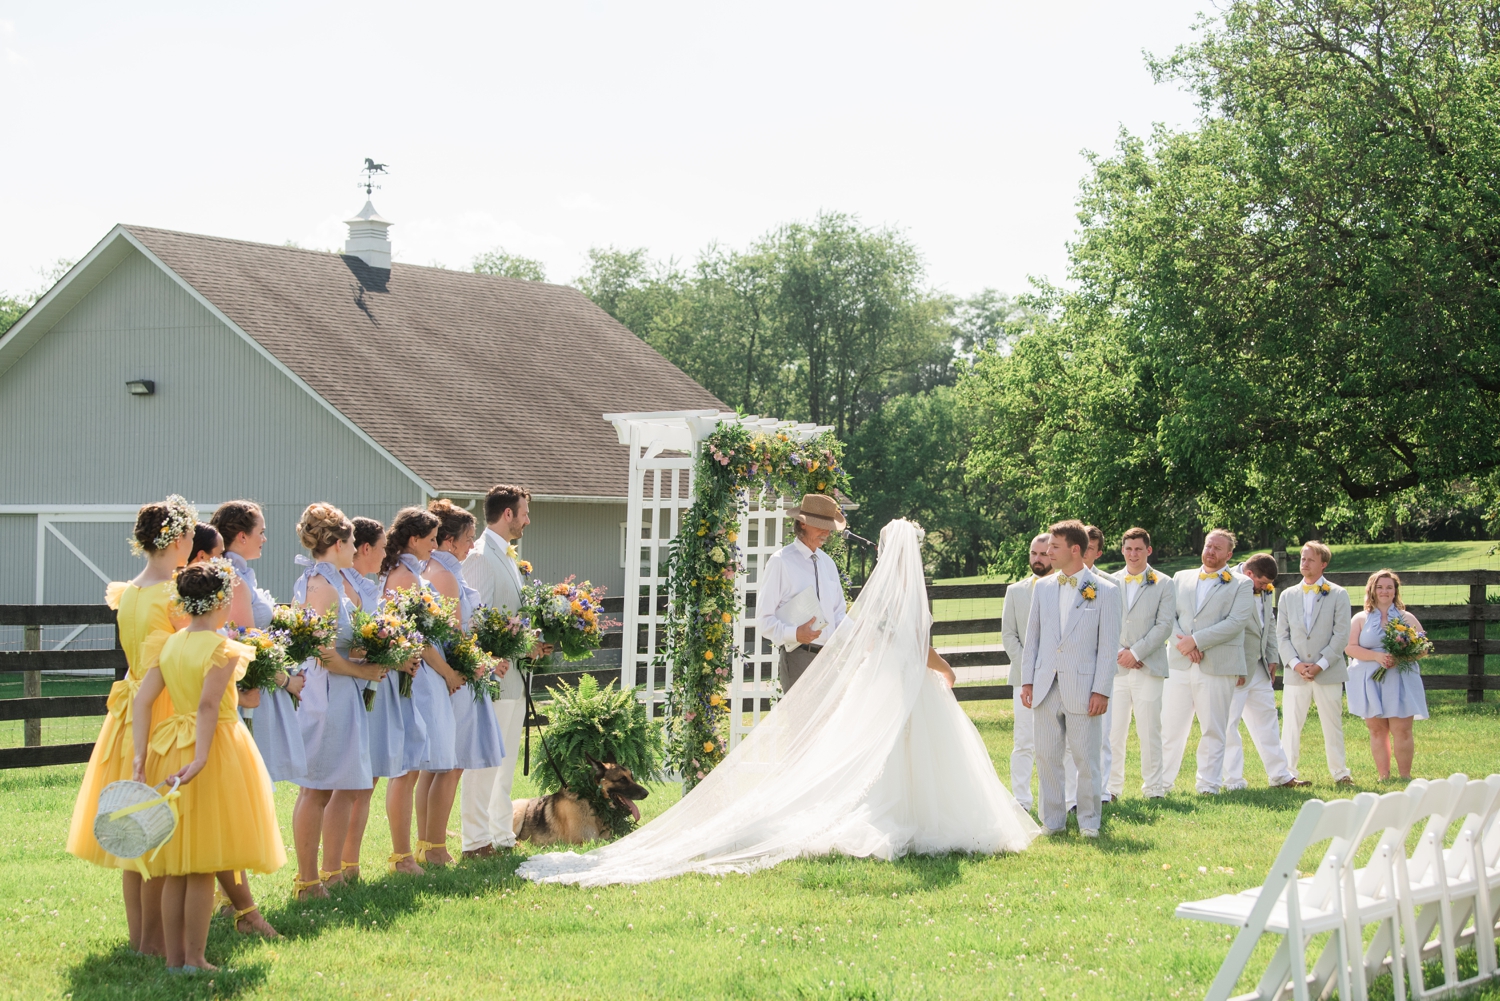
(224, 571)
(182, 519)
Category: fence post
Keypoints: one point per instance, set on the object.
(31, 686)
(1476, 637)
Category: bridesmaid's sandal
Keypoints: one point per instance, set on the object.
(331, 877)
(345, 876)
(405, 863)
(255, 922)
(427, 849)
(308, 889)
(222, 904)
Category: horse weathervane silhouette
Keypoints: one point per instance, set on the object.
(370, 169)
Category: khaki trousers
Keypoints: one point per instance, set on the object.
(1295, 700)
(484, 799)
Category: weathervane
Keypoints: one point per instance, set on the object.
(370, 169)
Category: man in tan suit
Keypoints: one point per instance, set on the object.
(1013, 616)
(1150, 610)
(1206, 656)
(1312, 629)
(1254, 698)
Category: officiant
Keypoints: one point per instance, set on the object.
(802, 566)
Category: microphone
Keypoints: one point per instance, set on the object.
(851, 537)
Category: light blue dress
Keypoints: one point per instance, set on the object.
(335, 725)
(1396, 696)
(398, 738)
(277, 732)
(476, 733)
(429, 696)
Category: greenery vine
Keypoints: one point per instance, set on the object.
(704, 562)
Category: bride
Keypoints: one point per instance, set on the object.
(868, 755)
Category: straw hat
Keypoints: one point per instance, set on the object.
(820, 511)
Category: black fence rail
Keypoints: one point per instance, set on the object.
(32, 707)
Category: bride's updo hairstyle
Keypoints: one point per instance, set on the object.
(411, 523)
(323, 526)
(453, 521)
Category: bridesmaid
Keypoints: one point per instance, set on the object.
(207, 543)
(335, 726)
(277, 732)
(398, 740)
(476, 733)
(408, 545)
(1389, 705)
(145, 606)
(228, 814)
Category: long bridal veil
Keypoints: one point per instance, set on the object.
(868, 755)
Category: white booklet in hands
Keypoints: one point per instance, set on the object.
(801, 607)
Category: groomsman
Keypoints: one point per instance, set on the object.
(1067, 672)
(1254, 698)
(491, 569)
(1150, 611)
(1090, 557)
(1312, 630)
(1206, 656)
(1013, 618)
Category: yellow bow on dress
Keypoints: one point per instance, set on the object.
(180, 730)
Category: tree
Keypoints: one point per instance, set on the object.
(13, 307)
(506, 265)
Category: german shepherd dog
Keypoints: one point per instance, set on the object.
(565, 818)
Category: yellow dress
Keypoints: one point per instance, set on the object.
(228, 815)
(142, 612)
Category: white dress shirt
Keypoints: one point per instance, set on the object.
(480, 576)
(1131, 589)
(1206, 585)
(1067, 597)
(1310, 611)
(1260, 607)
(789, 571)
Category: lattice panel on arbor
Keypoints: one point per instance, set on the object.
(753, 687)
(660, 492)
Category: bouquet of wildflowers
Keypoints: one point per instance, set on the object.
(502, 634)
(388, 640)
(306, 632)
(270, 658)
(567, 616)
(470, 663)
(1405, 644)
(429, 613)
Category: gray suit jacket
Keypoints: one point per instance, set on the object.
(1260, 641)
(1218, 627)
(1081, 659)
(1328, 637)
(1013, 617)
(1146, 625)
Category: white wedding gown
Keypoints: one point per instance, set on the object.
(869, 755)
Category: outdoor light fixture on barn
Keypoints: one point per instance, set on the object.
(141, 387)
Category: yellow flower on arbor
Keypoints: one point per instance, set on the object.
(708, 655)
(708, 746)
(727, 617)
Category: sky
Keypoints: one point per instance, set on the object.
(550, 128)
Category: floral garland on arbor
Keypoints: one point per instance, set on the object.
(701, 570)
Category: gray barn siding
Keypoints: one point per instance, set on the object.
(581, 539)
(224, 423)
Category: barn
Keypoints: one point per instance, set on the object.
(167, 362)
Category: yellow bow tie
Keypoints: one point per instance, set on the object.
(512, 551)
(1309, 587)
(1064, 580)
(1135, 578)
(1206, 576)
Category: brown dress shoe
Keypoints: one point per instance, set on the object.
(1294, 784)
(1345, 781)
(484, 852)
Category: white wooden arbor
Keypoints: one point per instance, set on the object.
(663, 448)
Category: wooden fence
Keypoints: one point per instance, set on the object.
(33, 708)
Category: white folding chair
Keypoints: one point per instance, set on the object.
(1422, 882)
(1370, 897)
(1468, 886)
(1489, 853)
(1292, 908)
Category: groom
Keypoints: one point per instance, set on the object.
(1067, 673)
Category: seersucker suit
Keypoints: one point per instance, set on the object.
(1065, 664)
(1321, 642)
(1255, 702)
(1146, 624)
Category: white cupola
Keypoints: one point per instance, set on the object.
(367, 238)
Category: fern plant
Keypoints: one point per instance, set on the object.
(608, 725)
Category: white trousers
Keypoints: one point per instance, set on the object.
(1023, 760)
(1330, 699)
(1064, 736)
(1137, 693)
(1208, 696)
(484, 800)
(1255, 703)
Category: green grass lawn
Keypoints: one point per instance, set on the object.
(1065, 918)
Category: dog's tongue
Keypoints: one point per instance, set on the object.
(634, 810)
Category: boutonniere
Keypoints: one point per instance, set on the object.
(1150, 577)
(1089, 592)
(1269, 589)
(1225, 576)
(515, 555)
(524, 566)
(1324, 589)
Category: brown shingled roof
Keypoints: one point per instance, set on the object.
(485, 379)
